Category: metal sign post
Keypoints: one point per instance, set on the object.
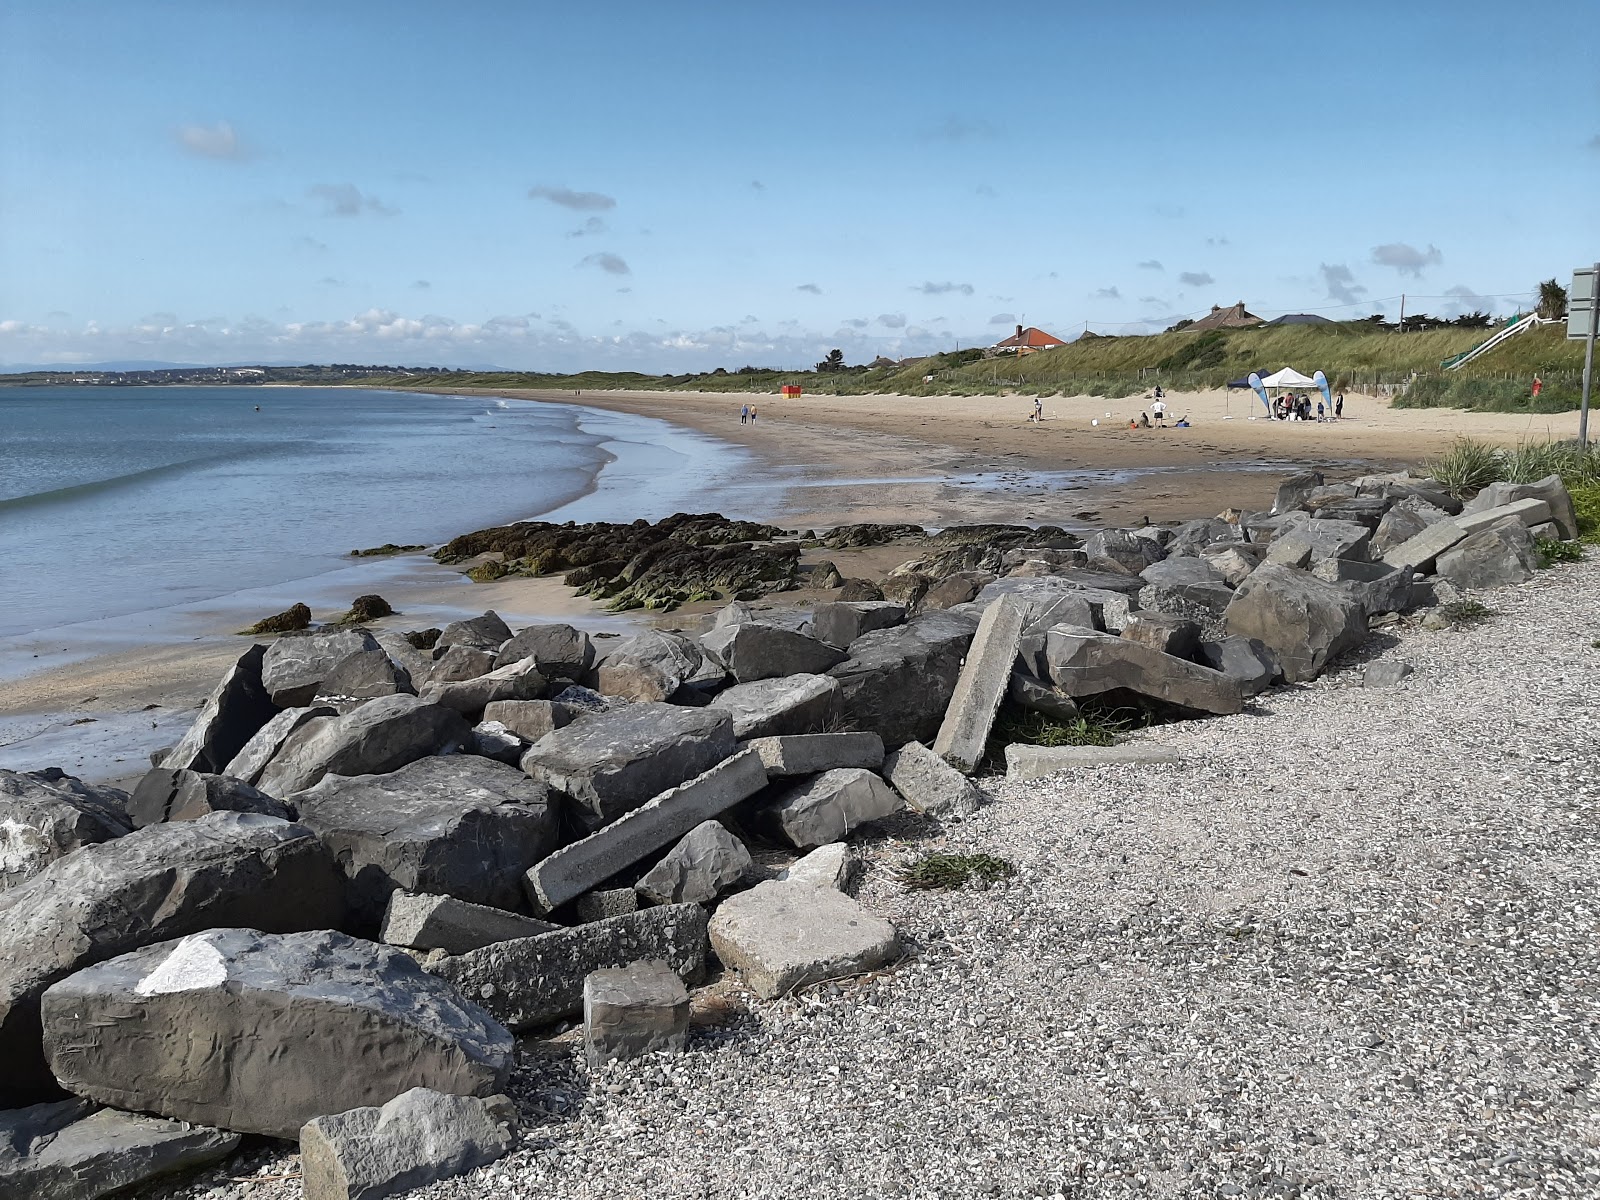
(1583, 315)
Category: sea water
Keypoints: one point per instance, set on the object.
(125, 500)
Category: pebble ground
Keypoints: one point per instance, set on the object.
(1348, 948)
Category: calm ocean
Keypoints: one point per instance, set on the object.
(126, 500)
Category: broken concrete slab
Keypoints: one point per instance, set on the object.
(418, 1138)
(1550, 489)
(534, 980)
(1420, 551)
(1528, 511)
(813, 753)
(1035, 762)
(791, 704)
(261, 1032)
(964, 733)
(824, 809)
(641, 1008)
(835, 866)
(781, 936)
(1083, 664)
(420, 921)
(929, 784)
(578, 867)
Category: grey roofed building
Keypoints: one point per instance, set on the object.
(1300, 319)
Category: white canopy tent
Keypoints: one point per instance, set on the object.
(1287, 378)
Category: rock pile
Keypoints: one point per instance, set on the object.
(376, 857)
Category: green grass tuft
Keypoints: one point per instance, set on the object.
(1553, 550)
(1468, 466)
(1037, 729)
(1466, 612)
(947, 871)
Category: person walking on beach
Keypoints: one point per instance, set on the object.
(744, 414)
(752, 414)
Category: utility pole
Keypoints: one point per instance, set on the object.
(1588, 361)
(1402, 312)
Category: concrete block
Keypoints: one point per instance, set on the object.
(633, 1010)
(929, 784)
(813, 753)
(1035, 762)
(981, 686)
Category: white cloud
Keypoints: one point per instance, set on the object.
(1407, 260)
(591, 227)
(347, 200)
(611, 264)
(939, 289)
(892, 321)
(213, 141)
(567, 198)
(1341, 284)
(1196, 279)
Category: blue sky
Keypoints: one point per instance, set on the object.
(664, 186)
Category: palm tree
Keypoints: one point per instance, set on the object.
(1552, 300)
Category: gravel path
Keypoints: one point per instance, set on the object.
(1349, 949)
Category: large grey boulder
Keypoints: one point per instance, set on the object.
(1121, 551)
(1243, 659)
(1181, 570)
(824, 809)
(418, 1138)
(45, 815)
(1190, 538)
(460, 826)
(781, 936)
(260, 1032)
(295, 665)
(559, 651)
(610, 763)
(1305, 621)
(423, 922)
(68, 1151)
(1174, 635)
(456, 664)
(929, 784)
(1294, 490)
(792, 704)
(1550, 489)
(842, 622)
(655, 665)
(985, 675)
(362, 676)
(1092, 664)
(382, 735)
(813, 753)
(518, 680)
(1233, 561)
(167, 795)
(706, 862)
(756, 650)
(1202, 603)
(156, 883)
(1058, 599)
(235, 710)
(247, 765)
(1401, 523)
(487, 632)
(535, 980)
(1495, 557)
(582, 865)
(1380, 587)
(530, 720)
(898, 682)
(1320, 539)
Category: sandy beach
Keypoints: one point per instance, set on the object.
(98, 705)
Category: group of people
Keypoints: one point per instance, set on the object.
(1296, 406)
(747, 414)
(1159, 410)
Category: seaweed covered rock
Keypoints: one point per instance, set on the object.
(366, 608)
(295, 617)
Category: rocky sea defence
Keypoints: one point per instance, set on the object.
(377, 858)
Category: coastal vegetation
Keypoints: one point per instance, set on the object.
(1470, 465)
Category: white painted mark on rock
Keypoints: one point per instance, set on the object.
(193, 964)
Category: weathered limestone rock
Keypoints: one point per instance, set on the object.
(456, 664)
(231, 715)
(1180, 570)
(1243, 659)
(534, 980)
(654, 665)
(1420, 551)
(295, 665)
(824, 809)
(898, 682)
(835, 866)
(364, 675)
(45, 815)
(1386, 672)
(964, 732)
(423, 922)
(156, 883)
(1190, 538)
(1529, 511)
(792, 704)
(490, 739)
(839, 624)
(1233, 561)
(1293, 491)
(382, 735)
(1303, 620)
(247, 765)
(418, 1138)
(735, 613)
(1289, 551)
(707, 861)
(633, 1010)
(1121, 552)
(530, 720)
(260, 1032)
(1379, 587)
(1092, 664)
(1327, 539)
(610, 763)
(576, 868)
(813, 753)
(68, 1151)
(781, 936)
(756, 650)
(1549, 489)
(560, 651)
(460, 826)
(603, 904)
(487, 632)
(518, 680)
(929, 784)
(1202, 603)
(167, 795)
(1177, 636)
(1494, 557)
(1035, 762)
(1400, 524)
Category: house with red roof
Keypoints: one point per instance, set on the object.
(1027, 341)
